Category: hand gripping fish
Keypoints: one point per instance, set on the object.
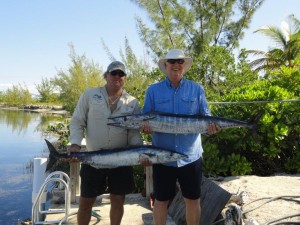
(111, 158)
(174, 123)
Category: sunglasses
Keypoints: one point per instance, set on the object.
(173, 61)
(117, 73)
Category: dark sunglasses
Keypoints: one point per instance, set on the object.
(173, 61)
(117, 72)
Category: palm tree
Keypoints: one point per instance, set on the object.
(287, 40)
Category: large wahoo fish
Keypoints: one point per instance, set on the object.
(174, 123)
(111, 158)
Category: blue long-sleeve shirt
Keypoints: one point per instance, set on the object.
(188, 98)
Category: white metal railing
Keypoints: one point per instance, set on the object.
(37, 211)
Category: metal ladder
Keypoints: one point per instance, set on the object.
(37, 212)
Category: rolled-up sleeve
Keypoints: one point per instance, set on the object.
(134, 136)
(79, 120)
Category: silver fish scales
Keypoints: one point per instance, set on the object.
(112, 158)
(174, 123)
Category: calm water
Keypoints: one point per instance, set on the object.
(21, 140)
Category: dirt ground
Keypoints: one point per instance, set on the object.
(267, 199)
(270, 198)
(137, 211)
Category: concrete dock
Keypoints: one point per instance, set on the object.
(137, 211)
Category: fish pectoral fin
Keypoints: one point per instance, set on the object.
(145, 157)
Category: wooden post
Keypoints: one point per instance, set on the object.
(74, 174)
(74, 180)
(149, 181)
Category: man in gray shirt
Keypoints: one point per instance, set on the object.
(90, 118)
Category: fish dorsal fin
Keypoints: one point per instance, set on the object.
(177, 115)
(149, 118)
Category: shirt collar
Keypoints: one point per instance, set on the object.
(169, 84)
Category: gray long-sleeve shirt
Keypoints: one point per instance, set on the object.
(90, 120)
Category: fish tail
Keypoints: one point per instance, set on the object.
(52, 156)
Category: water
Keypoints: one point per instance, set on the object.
(21, 140)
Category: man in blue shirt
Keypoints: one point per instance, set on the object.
(177, 95)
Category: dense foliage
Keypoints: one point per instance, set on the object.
(46, 91)
(81, 75)
(16, 96)
(273, 145)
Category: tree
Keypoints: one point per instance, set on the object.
(139, 71)
(208, 31)
(216, 70)
(46, 91)
(134, 66)
(17, 96)
(286, 50)
(82, 74)
(1, 96)
(192, 25)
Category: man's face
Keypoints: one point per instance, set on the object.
(175, 68)
(116, 79)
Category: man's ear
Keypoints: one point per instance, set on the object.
(105, 75)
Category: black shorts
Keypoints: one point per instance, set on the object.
(189, 178)
(94, 182)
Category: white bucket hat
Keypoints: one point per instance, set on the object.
(175, 54)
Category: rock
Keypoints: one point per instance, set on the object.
(250, 222)
(233, 215)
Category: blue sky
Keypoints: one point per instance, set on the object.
(35, 34)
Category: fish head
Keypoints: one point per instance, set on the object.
(133, 121)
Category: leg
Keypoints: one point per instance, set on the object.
(92, 185)
(160, 212)
(193, 211)
(190, 182)
(164, 185)
(85, 210)
(120, 183)
(116, 208)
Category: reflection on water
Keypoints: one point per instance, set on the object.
(21, 139)
(18, 122)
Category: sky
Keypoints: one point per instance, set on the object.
(35, 35)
